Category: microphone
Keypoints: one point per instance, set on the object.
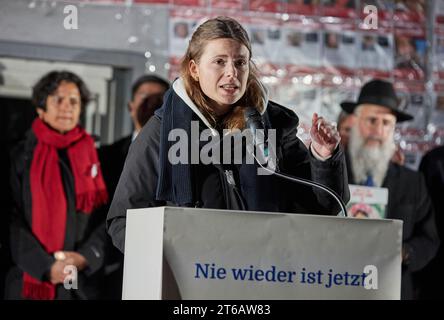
(254, 122)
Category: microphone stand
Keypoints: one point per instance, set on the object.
(307, 183)
(254, 122)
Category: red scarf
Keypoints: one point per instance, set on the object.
(49, 204)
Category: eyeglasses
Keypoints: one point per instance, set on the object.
(387, 124)
(57, 100)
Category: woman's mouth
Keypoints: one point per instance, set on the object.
(65, 118)
(229, 88)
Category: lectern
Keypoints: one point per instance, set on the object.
(190, 253)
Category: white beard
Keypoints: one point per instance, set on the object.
(369, 160)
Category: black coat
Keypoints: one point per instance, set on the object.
(409, 201)
(112, 158)
(432, 166)
(84, 234)
(138, 182)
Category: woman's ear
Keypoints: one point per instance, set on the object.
(194, 70)
(40, 112)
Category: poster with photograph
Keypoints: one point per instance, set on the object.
(304, 7)
(411, 136)
(410, 52)
(181, 28)
(410, 12)
(413, 143)
(190, 3)
(367, 202)
(438, 55)
(340, 51)
(266, 40)
(106, 1)
(336, 89)
(180, 33)
(272, 6)
(302, 96)
(301, 46)
(227, 4)
(376, 53)
(150, 1)
(339, 8)
(413, 100)
(436, 124)
(439, 13)
(438, 106)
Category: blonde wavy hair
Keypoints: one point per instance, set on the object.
(221, 28)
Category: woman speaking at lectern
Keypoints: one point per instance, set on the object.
(218, 83)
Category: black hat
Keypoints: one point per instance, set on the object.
(381, 93)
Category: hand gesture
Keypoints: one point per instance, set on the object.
(324, 136)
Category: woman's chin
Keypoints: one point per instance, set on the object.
(63, 129)
(228, 100)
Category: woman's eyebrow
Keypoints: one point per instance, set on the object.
(226, 56)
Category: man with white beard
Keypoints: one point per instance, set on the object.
(370, 150)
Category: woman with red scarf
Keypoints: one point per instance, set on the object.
(57, 242)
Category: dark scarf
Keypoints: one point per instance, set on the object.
(49, 204)
(175, 182)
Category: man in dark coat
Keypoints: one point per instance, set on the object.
(369, 155)
(432, 166)
(112, 158)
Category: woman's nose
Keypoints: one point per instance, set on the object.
(65, 105)
(230, 70)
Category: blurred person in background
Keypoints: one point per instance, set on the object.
(432, 166)
(57, 186)
(369, 152)
(344, 124)
(143, 87)
(147, 97)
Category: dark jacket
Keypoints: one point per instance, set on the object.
(112, 158)
(432, 166)
(138, 182)
(84, 234)
(409, 201)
